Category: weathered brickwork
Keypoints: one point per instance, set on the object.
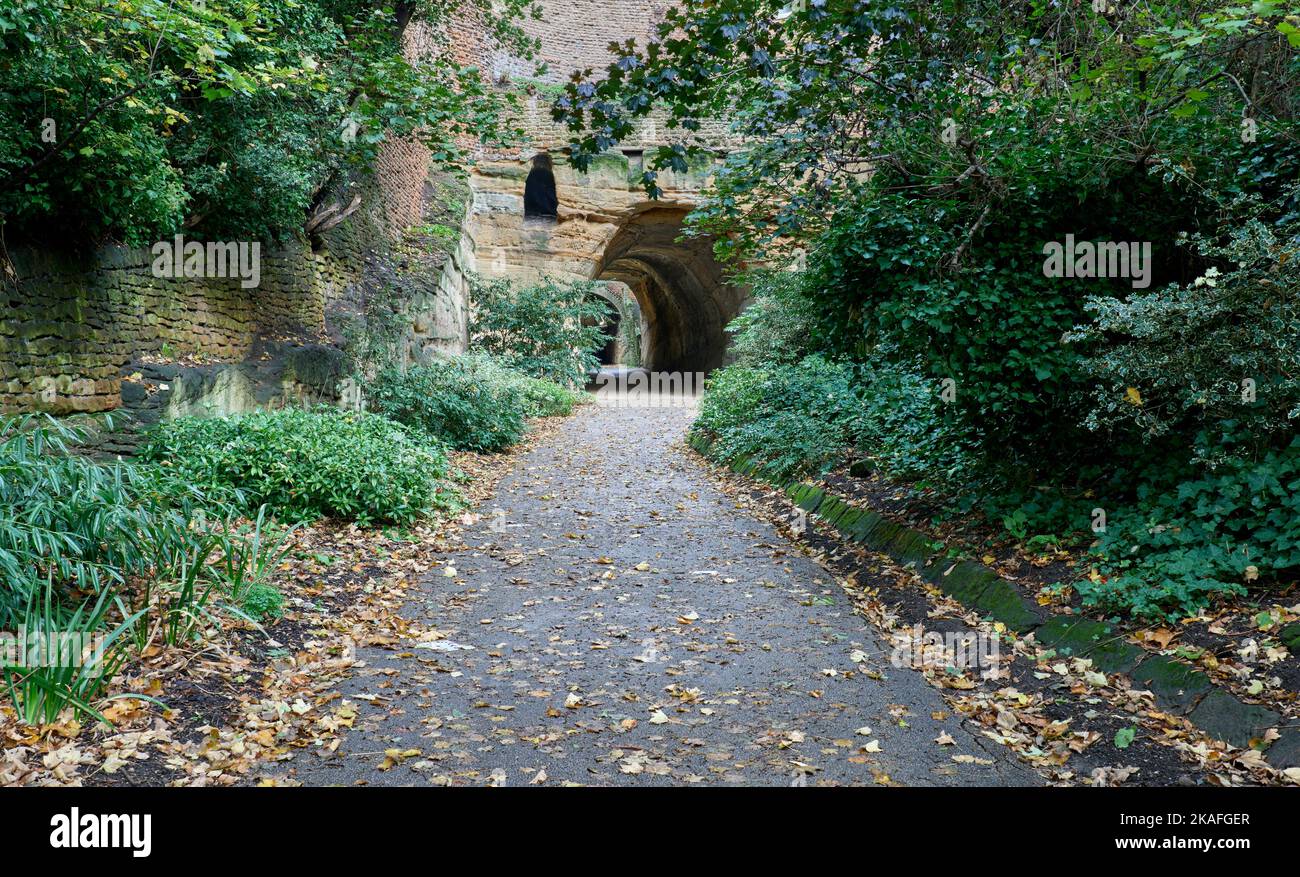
(576, 35)
(70, 325)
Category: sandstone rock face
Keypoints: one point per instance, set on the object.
(607, 229)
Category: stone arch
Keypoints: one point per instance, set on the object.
(685, 300)
(607, 229)
(626, 311)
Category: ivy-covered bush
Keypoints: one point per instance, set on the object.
(903, 433)
(306, 465)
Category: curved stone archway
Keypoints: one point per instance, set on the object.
(625, 311)
(606, 229)
(685, 302)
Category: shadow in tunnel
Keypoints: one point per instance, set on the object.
(685, 301)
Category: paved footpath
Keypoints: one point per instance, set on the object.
(629, 625)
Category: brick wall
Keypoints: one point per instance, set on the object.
(576, 35)
(69, 325)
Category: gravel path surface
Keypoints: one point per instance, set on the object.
(627, 624)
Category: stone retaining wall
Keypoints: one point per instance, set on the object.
(70, 324)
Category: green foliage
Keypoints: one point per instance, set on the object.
(815, 115)
(630, 336)
(547, 329)
(780, 324)
(543, 398)
(305, 465)
(73, 660)
(375, 339)
(119, 550)
(800, 418)
(1225, 347)
(961, 288)
(1181, 545)
(262, 601)
(471, 401)
(68, 521)
(926, 183)
(251, 554)
(232, 118)
(905, 432)
(793, 419)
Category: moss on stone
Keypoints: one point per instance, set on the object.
(1177, 686)
(1003, 602)
(865, 524)
(848, 520)
(1224, 717)
(831, 509)
(1086, 638)
(965, 582)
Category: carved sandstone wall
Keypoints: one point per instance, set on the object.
(606, 227)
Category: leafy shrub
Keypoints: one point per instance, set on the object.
(538, 328)
(779, 326)
(542, 398)
(1225, 346)
(792, 418)
(904, 427)
(263, 601)
(308, 464)
(1178, 547)
(470, 401)
(883, 278)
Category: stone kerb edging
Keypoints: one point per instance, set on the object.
(1178, 688)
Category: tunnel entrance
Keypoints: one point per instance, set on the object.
(685, 301)
(607, 353)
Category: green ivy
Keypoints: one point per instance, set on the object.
(1179, 547)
